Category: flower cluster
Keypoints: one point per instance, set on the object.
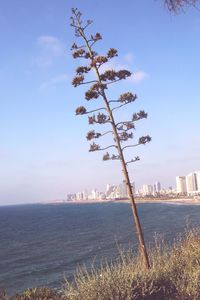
(144, 139)
(108, 157)
(90, 94)
(94, 147)
(95, 90)
(124, 136)
(82, 69)
(112, 75)
(81, 110)
(78, 53)
(100, 119)
(126, 126)
(112, 52)
(97, 37)
(74, 46)
(140, 115)
(77, 80)
(99, 60)
(92, 135)
(127, 97)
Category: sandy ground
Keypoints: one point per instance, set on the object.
(183, 201)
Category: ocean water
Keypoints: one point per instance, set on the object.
(39, 244)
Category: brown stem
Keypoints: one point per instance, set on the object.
(123, 163)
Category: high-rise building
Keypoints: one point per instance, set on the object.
(158, 187)
(122, 190)
(193, 183)
(109, 190)
(181, 185)
(147, 190)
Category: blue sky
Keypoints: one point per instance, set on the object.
(43, 151)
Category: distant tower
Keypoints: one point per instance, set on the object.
(181, 184)
(109, 190)
(122, 189)
(147, 190)
(158, 186)
(85, 195)
(193, 183)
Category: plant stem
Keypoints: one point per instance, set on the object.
(140, 235)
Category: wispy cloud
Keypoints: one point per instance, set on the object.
(54, 81)
(138, 76)
(50, 48)
(51, 44)
(125, 63)
(114, 65)
(129, 57)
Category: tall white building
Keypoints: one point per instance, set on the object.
(147, 190)
(109, 190)
(193, 183)
(158, 187)
(181, 185)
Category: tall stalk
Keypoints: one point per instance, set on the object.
(98, 89)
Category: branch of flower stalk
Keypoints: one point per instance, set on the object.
(142, 141)
(130, 146)
(131, 121)
(124, 123)
(100, 149)
(88, 112)
(95, 135)
(120, 106)
(87, 82)
(133, 160)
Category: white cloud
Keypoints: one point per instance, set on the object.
(117, 65)
(138, 76)
(113, 65)
(50, 48)
(129, 58)
(54, 81)
(51, 44)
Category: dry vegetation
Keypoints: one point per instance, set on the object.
(174, 274)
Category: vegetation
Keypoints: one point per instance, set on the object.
(174, 275)
(121, 131)
(176, 5)
(34, 294)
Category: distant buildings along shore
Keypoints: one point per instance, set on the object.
(188, 185)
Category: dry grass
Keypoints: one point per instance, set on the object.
(174, 274)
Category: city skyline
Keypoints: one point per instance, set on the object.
(184, 185)
(43, 150)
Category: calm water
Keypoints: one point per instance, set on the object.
(41, 243)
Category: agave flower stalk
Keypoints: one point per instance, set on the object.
(120, 131)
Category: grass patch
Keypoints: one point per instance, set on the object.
(174, 275)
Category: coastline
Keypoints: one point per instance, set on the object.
(181, 201)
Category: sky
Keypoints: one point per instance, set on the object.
(43, 150)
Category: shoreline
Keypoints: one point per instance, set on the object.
(182, 201)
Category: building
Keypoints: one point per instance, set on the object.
(147, 190)
(157, 187)
(181, 187)
(109, 190)
(193, 183)
(122, 190)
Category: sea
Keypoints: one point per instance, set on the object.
(40, 245)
